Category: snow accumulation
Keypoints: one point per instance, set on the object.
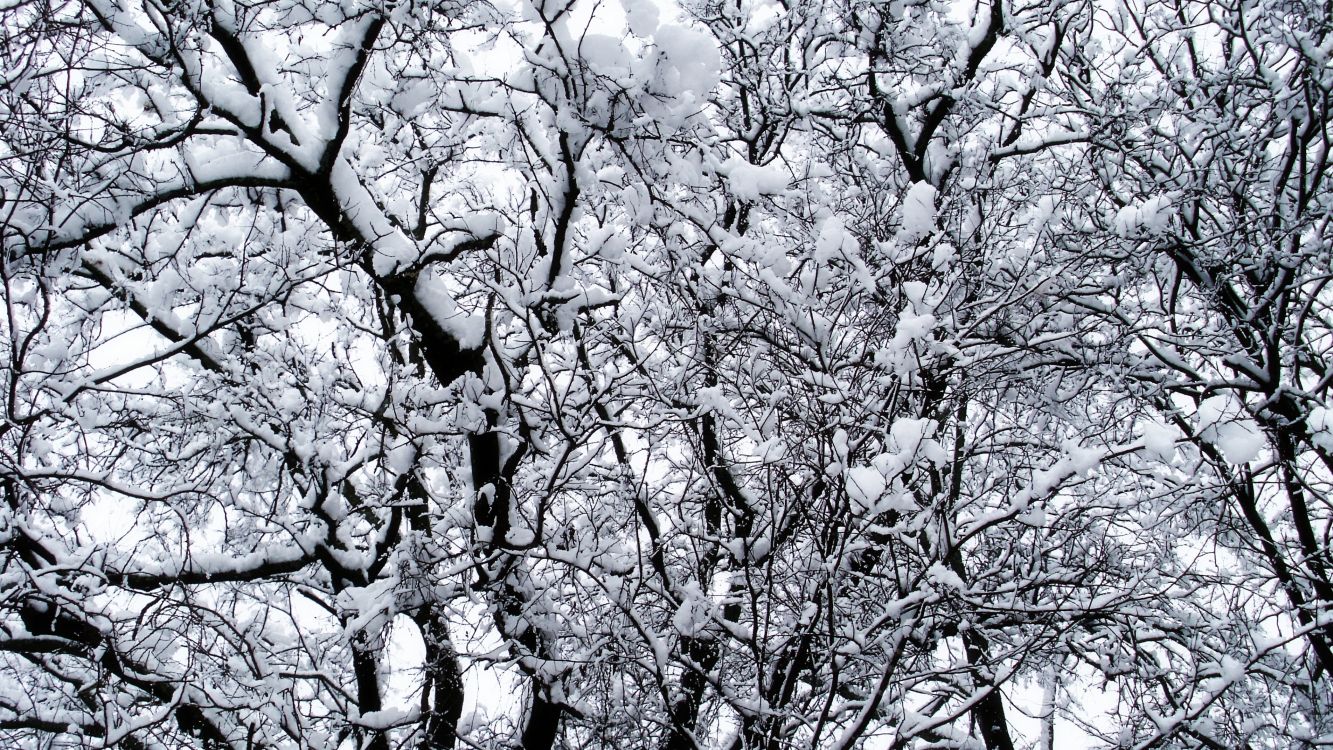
(1223, 422)
(865, 485)
(1159, 440)
(693, 62)
(750, 182)
(781, 327)
(642, 16)
(468, 329)
(606, 54)
(1150, 217)
(918, 212)
(1320, 423)
(692, 617)
(388, 717)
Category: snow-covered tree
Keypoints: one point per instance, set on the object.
(737, 375)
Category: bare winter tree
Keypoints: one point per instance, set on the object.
(745, 375)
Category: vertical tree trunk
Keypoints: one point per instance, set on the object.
(491, 474)
(1046, 740)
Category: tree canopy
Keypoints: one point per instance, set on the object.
(638, 375)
